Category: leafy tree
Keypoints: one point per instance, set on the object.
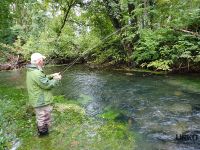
(160, 35)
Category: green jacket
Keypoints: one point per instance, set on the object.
(39, 86)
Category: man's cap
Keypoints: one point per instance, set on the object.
(36, 56)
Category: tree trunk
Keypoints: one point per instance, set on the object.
(115, 21)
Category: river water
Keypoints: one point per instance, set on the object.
(160, 109)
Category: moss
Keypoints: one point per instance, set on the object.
(114, 135)
(62, 107)
(110, 115)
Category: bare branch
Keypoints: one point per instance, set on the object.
(66, 14)
(183, 30)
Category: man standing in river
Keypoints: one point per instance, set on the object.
(39, 88)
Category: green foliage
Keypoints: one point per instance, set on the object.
(160, 65)
(5, 22)
(110, 55)
(149, 46)
(143, 32)
(162, 48)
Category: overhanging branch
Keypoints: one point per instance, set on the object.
(66, 14)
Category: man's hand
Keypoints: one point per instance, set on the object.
(57, 76)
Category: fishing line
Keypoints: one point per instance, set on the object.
(84, 53)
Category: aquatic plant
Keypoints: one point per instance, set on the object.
(71, 128)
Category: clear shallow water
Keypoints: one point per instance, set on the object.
(157, 107)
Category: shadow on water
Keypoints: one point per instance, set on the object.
(158, 108)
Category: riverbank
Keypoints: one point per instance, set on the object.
(71, 127)
(110, 65)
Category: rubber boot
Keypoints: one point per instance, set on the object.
(43, 131)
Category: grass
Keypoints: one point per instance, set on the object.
(71, 129)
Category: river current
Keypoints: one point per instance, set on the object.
(163, 110)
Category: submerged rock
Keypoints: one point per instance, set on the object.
(180, 108)
(185, 84)
(178, 93)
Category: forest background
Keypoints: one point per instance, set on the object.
(148, 34)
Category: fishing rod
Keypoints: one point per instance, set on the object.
(84, 53)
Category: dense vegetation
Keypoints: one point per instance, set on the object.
(152, 34)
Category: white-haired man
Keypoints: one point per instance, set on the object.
(39, 88)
